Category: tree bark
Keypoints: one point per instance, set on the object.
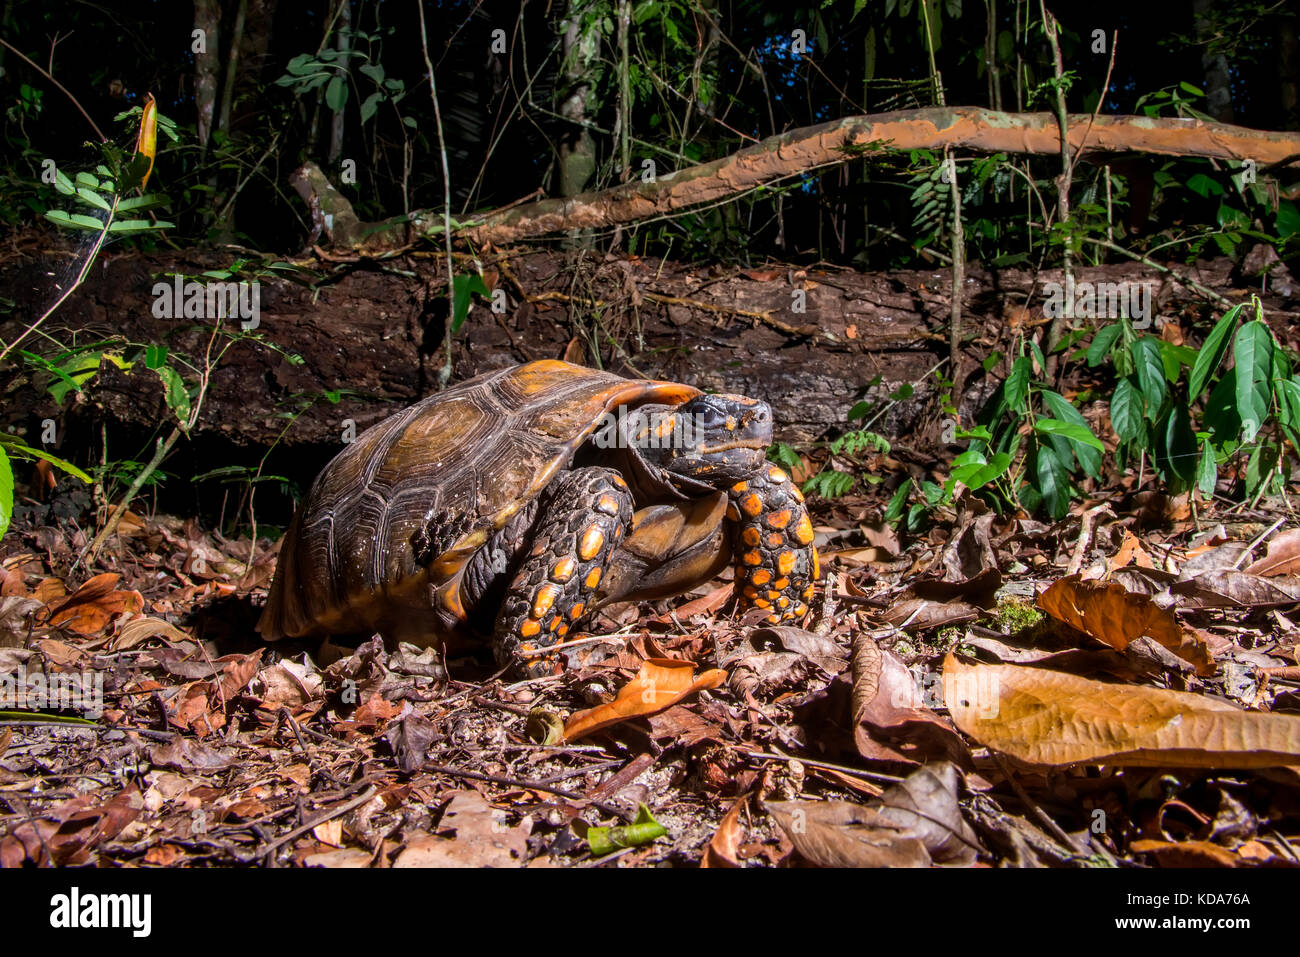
(795, 152)
(207, 17)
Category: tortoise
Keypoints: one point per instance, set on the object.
(518, 503)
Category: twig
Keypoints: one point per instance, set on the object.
(519, 783)
(1055, 829)
(298, 832)
(1255, 544)
(1186, 281)
(49, 76)
(1085, 537)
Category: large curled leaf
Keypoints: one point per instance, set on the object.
(1049, 717)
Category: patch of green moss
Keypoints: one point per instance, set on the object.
(1015, 615)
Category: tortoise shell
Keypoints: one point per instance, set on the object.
(400, 510)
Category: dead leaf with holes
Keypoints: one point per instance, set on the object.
(1116, 617)
(660, 684)
(1048, 717)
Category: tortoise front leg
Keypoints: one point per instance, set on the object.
(579, 525)
(776, 563)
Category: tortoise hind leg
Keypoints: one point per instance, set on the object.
(581, 522)
(776, 563)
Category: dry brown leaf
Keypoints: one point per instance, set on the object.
(1047, 717)
(1131, 552)
(1225, 588)
(348, 857)
(660, 684)
(1115, 616)
(704, 605)
(49, 590)
(1186, 853)
(724, 849)
(141, 629)
(60, 652)
(89, 609)
(481, 838)
(890, 719)
(841, 834)
(1282, 557)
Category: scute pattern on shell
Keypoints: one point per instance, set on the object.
(401, 509)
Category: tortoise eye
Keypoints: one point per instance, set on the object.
(709, 417)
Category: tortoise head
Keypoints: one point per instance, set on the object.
(709, 442)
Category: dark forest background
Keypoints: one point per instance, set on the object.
(339, 81)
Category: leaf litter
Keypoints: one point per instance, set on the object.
(998, 692)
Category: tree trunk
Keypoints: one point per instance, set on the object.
(1218, 79)
(343, 43)
(577, 157)
(207, 17)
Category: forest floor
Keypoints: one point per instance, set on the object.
(933, 712)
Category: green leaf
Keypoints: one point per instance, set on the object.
(784, 455)
(6, 493)
(137, 226)
(63, 184)
(1176, 454)
(894, 511)
(1202, 185)
(154, 356)
(1211, 353)
(1126, 412)
(1288, 392)
(302, 64)
(147, 201)
(829, 483)
(174, 393)
(91, 198)
(1087, 450)
(370, 105)
(976, 475)
(1017, 385)
(463, 288)
(642, 830)
(1253, 356)
(1207, 472)
(26, 451)
(1150, 369)
(1075, 433)
(1101, 343)
(1053, 482)
(1220, 415)
(73, 220)
(336, 93)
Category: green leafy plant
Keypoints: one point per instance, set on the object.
(1030, 445)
